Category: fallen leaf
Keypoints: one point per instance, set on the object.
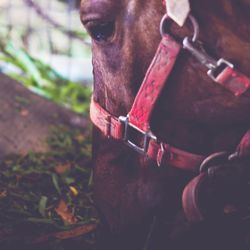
(63, 211)
(76, 232)
(3, 194)
(80, 138)
(42, 205)
(62, 168)
(73, 190)
(24, 112)
(55, 181)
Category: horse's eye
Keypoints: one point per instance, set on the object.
(101, 32)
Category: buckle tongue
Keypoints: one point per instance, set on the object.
(147, 136)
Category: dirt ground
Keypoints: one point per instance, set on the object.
(25, 119)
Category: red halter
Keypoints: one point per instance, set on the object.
(155, 79)
(138, 118)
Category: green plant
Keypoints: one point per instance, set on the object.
(49, 195)
(44, 80)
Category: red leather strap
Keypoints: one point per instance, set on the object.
(154, 81)
(145, 101)
(162, 153)
(166, 154)
(234, 81)
(108, 124)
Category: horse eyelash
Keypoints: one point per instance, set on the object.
(101, 32)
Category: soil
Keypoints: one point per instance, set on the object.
(26, 119)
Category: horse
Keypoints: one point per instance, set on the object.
(140, 201)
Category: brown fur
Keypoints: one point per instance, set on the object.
(193, 113)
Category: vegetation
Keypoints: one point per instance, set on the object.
(43, 80)
(48, 196)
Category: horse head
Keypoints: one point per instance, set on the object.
(193, 113)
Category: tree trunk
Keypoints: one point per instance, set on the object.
(26, 119)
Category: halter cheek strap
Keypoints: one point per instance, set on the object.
(153, 83)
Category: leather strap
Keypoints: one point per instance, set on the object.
(162, 153)
(107, 123)
(234, 81)
(153, 83)
(144, 104)
(190, 199)
(140, 114)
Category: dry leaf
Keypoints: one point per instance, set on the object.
(78, 231)
(73, 190)
(80, 138)
(24, 112)
(3, 194)
(62, 168)
(63, 211)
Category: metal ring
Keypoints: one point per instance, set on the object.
(194, 22)
(196, 28)
(164, 18)
(211, 157)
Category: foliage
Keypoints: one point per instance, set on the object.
(32, 187)
(43, 80)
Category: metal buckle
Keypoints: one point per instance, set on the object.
(219, 63)
(147, 136)
(201, 55)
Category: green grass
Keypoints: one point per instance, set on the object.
(32, 186)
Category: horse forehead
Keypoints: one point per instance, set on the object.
(88, 6)
(99, 5)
